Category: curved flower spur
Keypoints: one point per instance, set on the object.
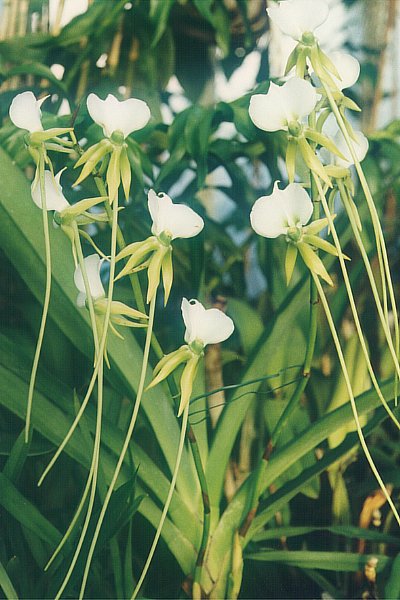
(118, 119)
(203, 326)
(170, 221)
(287, 212)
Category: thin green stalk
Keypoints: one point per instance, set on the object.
(125, 445)
(353, 303)
(47, 294)
(96, 367)
(206, 503)
(351, 396)
(93, 476)
(100, 359)
(380, 240)
(167, 503)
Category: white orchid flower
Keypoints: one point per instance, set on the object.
(55, 199)
(282, 105)
(297, 17)
(113, 115)
(174, 220)
(205, 326)
(92, 264)
(282, 210)
(25, 112)
(360, 145)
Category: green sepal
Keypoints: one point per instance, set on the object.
(328, 64)
(320, 70)
(301, 64)
(350, 104)
(38, 137)
(113, 176)
(322, 118)
(187, 380)
(324, 141)
(167, 274)
(126, 174)
(317, 226)
(154, 271)
(138, 256)
(313, 262)
(290, 261)
(312, 161)
(318, 242)
(80, 207)
(337, 172)
(125, 322)
(291, 150)
(87, 155)
(90, 164)
(171, 362)
(119, 308)
(292, 60)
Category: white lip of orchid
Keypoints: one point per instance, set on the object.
(296, 18)
(348, 68)
(55, 199)
(204, 326)
(360, 146)
(283, 212)
(283, 106)
(93, 265)
(171, 221)
(25, 112)
(116, 116)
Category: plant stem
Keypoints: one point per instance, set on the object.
(125, 445)
(380, 240)
(99, 364)
(353, 303)
(167, 503)
(351, 396)
(47, 294)
(206, 503)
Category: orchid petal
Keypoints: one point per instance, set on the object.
(92, 265)
(177, 220)
(272, 215)
(295, 17)
(282, 104)
(55, 199)
(112, 115)
(348, 68)
(210, 326)
(25, 112)
(360, 146)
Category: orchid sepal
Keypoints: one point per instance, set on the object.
(323, 140)
(313, 262)
(169, 363)
(187, 380)
(290, 261)
(38, 137)
(100, 151)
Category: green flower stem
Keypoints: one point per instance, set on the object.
(294, 400)
(99, 364)
(353, 303)
(93, 477)
(126, 442)
(47, 294)
(351, 396)
(96, 366)
(380, 240)
(167, 503)
(206, 503)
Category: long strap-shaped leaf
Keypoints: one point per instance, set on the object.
(20, 238)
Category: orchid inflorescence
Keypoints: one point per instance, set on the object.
(310, 108)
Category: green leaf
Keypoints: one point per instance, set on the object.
(328, 561)
(247, 321)
(159, 13)
(392, 588)
(197, 132)
(40, 70)
(22, 241)
(347, 531)
(6, 585)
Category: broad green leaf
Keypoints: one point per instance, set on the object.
(21, 240)
(392, 587)
(348, 531)
(327, 561)
(159, 13)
